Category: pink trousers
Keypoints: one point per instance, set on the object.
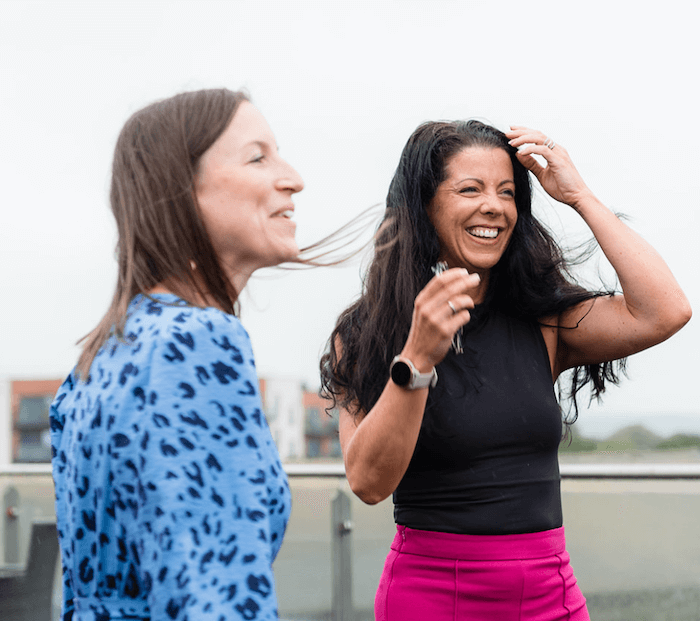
(430, 576)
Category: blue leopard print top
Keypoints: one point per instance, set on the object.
(171, 501)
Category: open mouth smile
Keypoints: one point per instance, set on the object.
(484, 232)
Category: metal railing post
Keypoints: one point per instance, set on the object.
(341, 561)
(10, 516)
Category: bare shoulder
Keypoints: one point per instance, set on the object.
(575, 328)
(557, 334)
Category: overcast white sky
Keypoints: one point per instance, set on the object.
(343, 84)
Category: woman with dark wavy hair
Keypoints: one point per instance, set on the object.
(171, 501)
(444, 369)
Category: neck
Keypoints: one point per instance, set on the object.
(192, 294)
(239, 279)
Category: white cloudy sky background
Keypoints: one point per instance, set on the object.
(343, 84)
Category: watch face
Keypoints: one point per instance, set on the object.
(401, 373)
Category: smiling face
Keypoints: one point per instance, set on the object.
(474, 209)
(244, 191)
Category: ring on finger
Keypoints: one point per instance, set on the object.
(549, 143)
(452, 307)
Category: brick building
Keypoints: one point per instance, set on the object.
(27, 425)
(320, 429)
(297, 418)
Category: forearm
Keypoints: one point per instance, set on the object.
(378, 454)
(378, 448)
(652, 294)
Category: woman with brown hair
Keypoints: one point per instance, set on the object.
(171, 501)
(444, 370)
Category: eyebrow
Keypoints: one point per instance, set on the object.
(262, 144)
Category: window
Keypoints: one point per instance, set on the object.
(31, 438)
(313, 420)
(32, 429)
(313, 447)
(335, 448)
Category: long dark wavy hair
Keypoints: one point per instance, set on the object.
(531, 280)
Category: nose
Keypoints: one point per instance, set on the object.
(492, 204)
(289, 179)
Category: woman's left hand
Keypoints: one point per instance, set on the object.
(559, 177)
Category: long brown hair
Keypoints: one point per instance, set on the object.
(153, 200)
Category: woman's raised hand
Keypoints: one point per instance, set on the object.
(559, 177)
(440, 309)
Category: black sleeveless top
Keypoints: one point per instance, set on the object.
(486, 458)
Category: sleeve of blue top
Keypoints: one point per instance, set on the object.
(203, 526)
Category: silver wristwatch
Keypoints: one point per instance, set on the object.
(404, 374)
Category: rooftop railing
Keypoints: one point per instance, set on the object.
(567, 471)
(632, 533)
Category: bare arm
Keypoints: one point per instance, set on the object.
(652, 306)
(378, 445)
